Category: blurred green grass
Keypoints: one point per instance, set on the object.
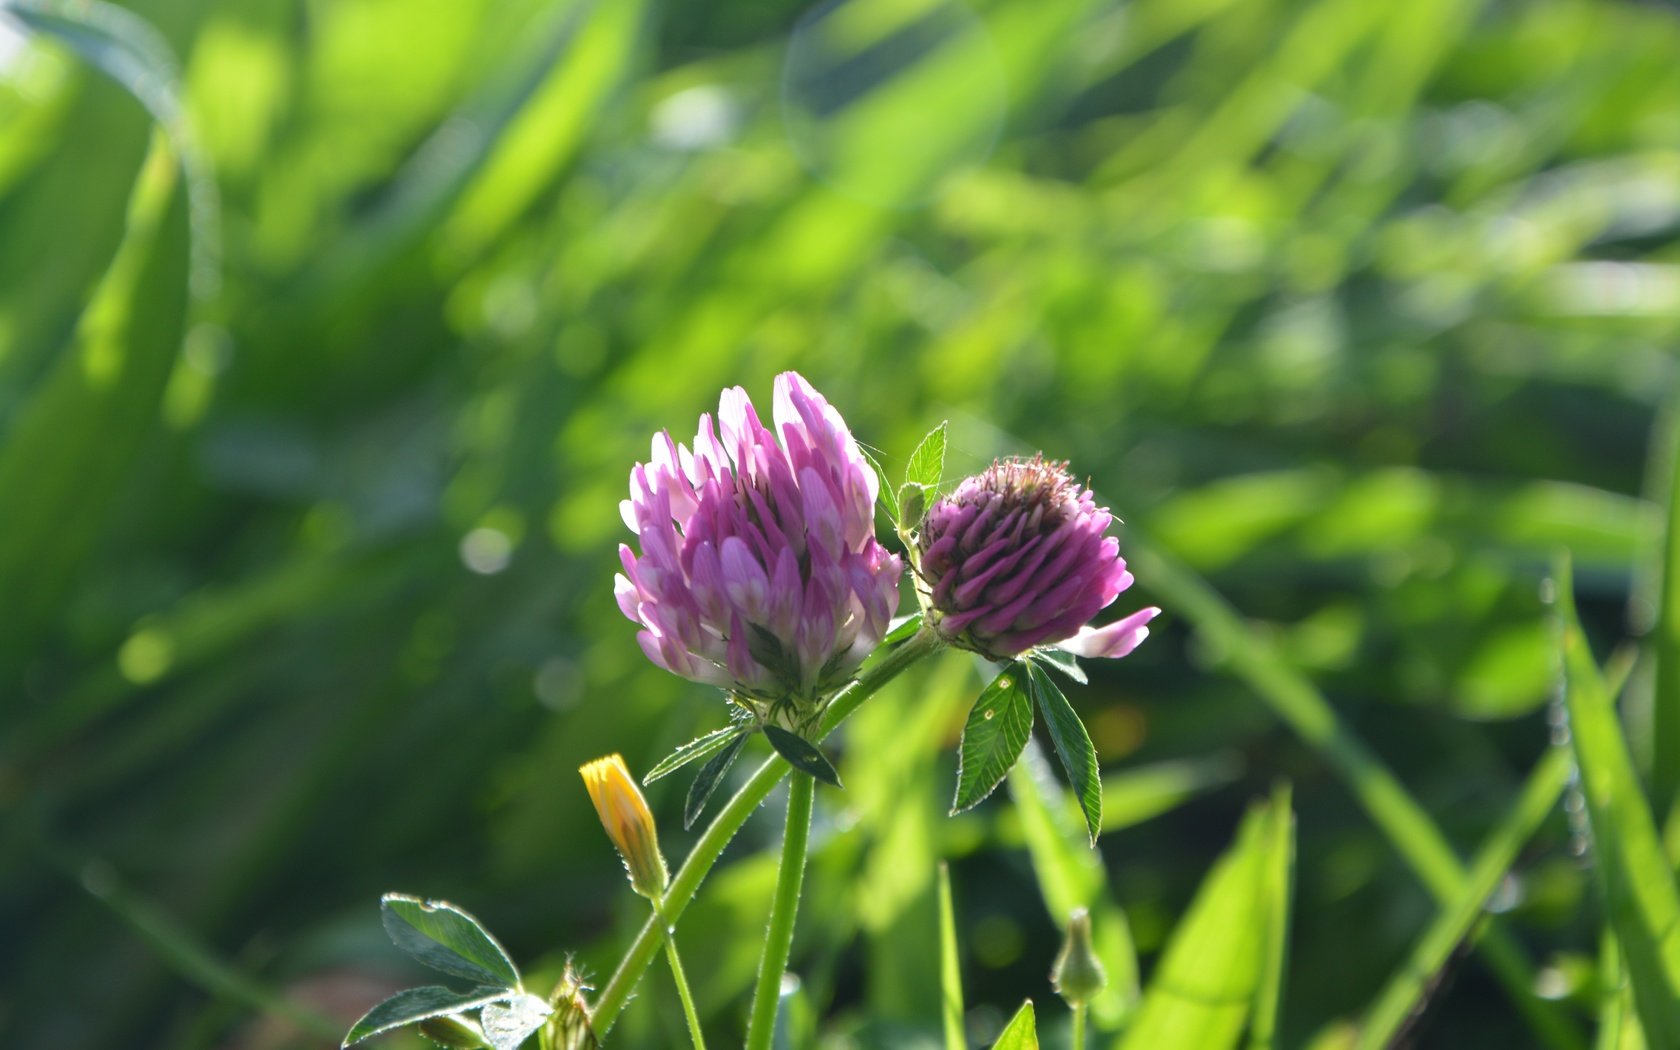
(1358, 310)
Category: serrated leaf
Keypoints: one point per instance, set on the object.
(421, 1004)
(887, 499)
(1073, 745)
(448, 939)
(998, 727)
(693, 751)
(802, 754)
(508, 1026)
(927, 463)
(1021, 1033)
(903, 629)
(1061, 660)
(707, 780)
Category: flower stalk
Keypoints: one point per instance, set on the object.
(690, 1014)
(784, 908)
(723, 827)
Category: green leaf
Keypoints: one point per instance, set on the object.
(802, 754)
(136, 57)
(1073, 745)
(888, 499)
(998, 727)
(950, 967)
(694, 751)
(1634, 877)
(707, 780)
(927, 463)
(1665, 641)
(1021, 1033)
(1200, 994)
(1278, 875)
(420, 1004)
(448, 939)
(904, 629)
(1061, 660)
(69, 449)
(913, 504)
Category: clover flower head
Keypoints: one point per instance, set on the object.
(759, 569)
(1018, 556)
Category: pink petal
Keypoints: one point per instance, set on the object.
(1113, 641)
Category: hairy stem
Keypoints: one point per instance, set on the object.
(689, 1013)
(729, 820)
(784, 908)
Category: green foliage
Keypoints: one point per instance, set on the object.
(1073, 744)
(447, 939)
(1635, 877)
(1021, 1033)
(999, 725)
(950, 967)
(1202, 993)
(1354, 312)
(802, 754)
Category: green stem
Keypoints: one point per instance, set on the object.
(784, 908)
(1078, 1026)
(687, 997)
(729, 820)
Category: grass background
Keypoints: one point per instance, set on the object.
(308, 486)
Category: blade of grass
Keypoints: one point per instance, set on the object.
(1278, 889)
(1304, 709)
(950, 966)
(67, 453)
(1406, 991)
(1665, 641)
(1638, 886)
(1199, 997)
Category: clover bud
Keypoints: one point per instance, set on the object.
(1078, 975)
(624, 813)
(1018, 556)
(568, 1026)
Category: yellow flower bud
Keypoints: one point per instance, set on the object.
(624, 813)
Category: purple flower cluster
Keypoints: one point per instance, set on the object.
(1018, 556)
(759, 568)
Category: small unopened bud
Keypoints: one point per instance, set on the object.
(568, 1027)
(624, 813)
(1078, 975)
(454, 1032)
